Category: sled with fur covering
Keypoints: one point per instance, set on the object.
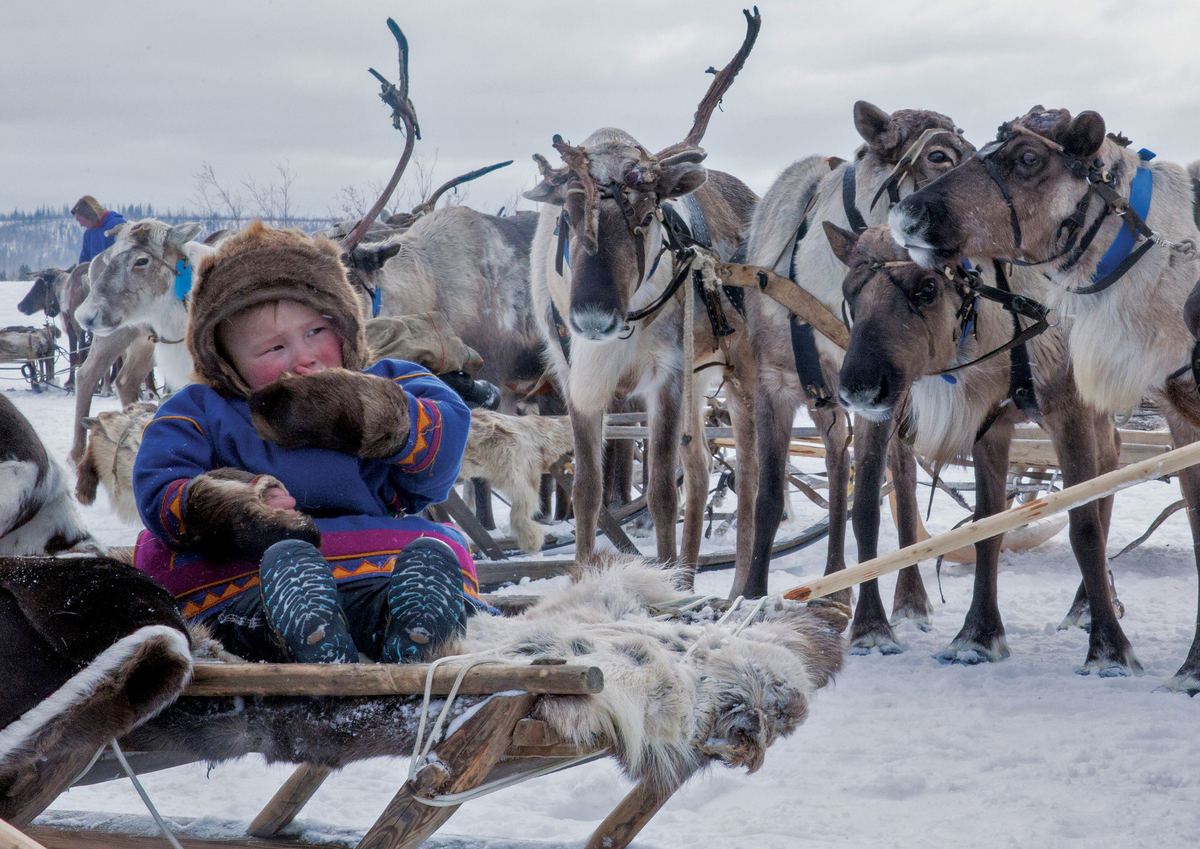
(679, 692)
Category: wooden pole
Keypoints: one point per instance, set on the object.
(384, 679)
(1055, 502)
(11, 838)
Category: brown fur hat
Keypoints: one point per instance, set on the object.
(88, 208)
(260, 265)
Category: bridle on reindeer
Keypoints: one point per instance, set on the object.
(1101, 183)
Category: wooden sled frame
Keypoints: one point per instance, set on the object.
(499, 740)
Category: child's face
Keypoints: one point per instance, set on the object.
(281, 337)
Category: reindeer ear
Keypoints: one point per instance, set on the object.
(1085, 134)
(870, 121)
(181, 234)
(681, 174)
(371, 258)
(545, 192)
(842, 241)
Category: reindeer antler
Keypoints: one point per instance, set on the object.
(427, 206)
(575, 158)
(722, 81)
(404, 117)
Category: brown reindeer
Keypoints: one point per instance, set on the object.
(1053, 191)
(912, 325)
(904, 149)
(602, 278)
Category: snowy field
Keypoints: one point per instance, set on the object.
(899, 751)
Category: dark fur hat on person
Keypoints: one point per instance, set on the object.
(262, 265)
(88, 208)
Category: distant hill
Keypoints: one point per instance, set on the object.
(49, 237)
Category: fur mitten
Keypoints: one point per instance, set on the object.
(228, 518)
(359, 414)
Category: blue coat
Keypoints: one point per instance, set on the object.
(94, 240)
(356, 500)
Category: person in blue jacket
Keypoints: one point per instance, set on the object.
(96, 221)
(280, 491)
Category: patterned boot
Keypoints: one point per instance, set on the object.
(425, 602)
(302, 604)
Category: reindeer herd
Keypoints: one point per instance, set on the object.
(1045, 276)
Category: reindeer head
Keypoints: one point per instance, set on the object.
(906, 321)
(918, 145)
(138, 274)
(609, 189)
(44, 295)
(1010, 200)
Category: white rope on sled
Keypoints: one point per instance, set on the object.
(137, 785)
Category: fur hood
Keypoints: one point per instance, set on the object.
(259, 265)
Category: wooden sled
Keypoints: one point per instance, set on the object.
(498, 741)
(34, 348)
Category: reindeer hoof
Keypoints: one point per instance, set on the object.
(1181, 682)
(920, 618)
(885, 643)
(970, 652)
(1112, 667)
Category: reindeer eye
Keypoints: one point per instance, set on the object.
(1030, 158)
(939, 157)
(927, 292)
(141, 261)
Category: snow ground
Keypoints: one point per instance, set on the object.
(899, 751)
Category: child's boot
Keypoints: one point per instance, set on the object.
(425, 601)
(302, 604)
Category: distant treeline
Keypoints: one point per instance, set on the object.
(50, 237)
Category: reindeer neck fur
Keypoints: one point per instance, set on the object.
(1129, 338)
(948, 415)
(169, 321)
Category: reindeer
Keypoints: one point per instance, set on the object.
(137, 297)
(915, 331)
(906, 148)
(1052, 191)
(604, 283)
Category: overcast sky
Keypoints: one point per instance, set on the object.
(127, 100)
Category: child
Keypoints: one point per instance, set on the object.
(280, 489)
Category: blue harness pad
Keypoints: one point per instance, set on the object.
(1141, 191)
(183, 279)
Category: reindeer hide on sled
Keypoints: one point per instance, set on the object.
(678, 694)
(91, 648)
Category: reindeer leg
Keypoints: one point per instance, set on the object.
(832, 423)
(697, 468)
(138, 363)
(870, 628)
(1187, 679)
(588, 430)
(662, 495)
(745, 468)
(482, 493)
(982, 635)
(775, 400)
(104, 352)
(1066, 429)
(911, 601)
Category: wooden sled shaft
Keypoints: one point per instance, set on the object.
(1074, 496)
(385, 679)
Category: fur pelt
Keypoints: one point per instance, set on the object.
(364, 415)
(259, 265)
(37, 515)
(228, 517)
(512, 453)
(113, 441)
(664, 712)
(91, 649)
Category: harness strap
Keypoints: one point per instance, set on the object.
(994, 173)
(564, 333)
(808, 363)
(1020, 381)
(849, 201)
(1117, 273)
(1017, 305)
